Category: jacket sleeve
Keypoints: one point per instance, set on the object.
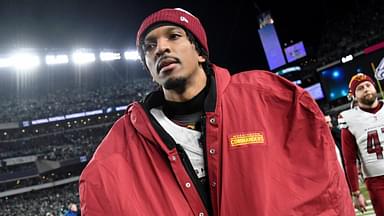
(93, 201)
(314, 158)
(350, 155)
(95, 184)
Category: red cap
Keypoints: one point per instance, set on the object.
(356, 80)
(176, 16)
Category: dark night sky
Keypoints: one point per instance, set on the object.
(231, 25)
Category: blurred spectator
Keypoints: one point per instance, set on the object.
(336, 134)
(72, 210)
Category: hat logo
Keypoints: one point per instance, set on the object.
(183, 19)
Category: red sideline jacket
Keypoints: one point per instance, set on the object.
(268, 151)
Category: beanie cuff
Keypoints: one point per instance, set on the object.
(178, 17)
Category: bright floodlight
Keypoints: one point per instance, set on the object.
(5, 62)
(109, 56)
(25, 61)
(131, 55)
(56, 59)
(83, 57)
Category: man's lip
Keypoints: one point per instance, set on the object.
(166, 68)
(160, 60)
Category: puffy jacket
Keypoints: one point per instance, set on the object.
(268, 152)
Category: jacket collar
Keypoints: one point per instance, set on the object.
(146, 125)
(218, 82)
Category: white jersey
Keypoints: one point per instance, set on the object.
(368, 130)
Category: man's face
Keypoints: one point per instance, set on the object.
(170, 56)
(328, 120)
(366, 93)
(74, 207)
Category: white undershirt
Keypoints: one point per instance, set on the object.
(187, 138)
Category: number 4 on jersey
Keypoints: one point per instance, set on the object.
(373, 143)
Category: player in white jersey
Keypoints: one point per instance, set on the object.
(362, 137)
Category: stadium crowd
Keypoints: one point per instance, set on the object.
(56, 146)
(352, 33)
(72, 100)
(52, 201)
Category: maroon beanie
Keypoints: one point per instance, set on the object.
(356, 80)
(176, 16)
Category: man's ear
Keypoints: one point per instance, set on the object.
(202, 59)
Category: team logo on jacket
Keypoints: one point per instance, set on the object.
(247, 139)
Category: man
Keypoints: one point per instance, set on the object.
(208, 143)
(336, 137)
(72, 210)
(362, 136)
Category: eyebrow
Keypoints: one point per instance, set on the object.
(167, 30)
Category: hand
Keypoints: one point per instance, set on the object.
(360, 203)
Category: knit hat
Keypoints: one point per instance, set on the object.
(356, 80)
(178, 17)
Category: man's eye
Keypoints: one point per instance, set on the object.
(174, 36)
(148, 46)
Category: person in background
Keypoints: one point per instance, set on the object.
(336, 134)
(211, 143)
(72, 210)
(362, 137)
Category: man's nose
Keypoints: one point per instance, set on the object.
(366, 88)
(162, 46)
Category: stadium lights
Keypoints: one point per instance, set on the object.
(5, 62)
(297, 82)
(29, 60)
(347, 58)
(83, 57)
(288, 70)
(109, 56)
(56, 59)
(131, 55)
(24, 61)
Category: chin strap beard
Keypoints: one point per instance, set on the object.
(178, 85)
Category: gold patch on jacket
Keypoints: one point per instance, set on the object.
(246, 139)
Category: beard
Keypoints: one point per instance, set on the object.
(176, 84)
(368, 99)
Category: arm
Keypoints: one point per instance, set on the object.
(93, 201)
(313, 134)
(90, 200)
(97, 187)
(349, 147)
